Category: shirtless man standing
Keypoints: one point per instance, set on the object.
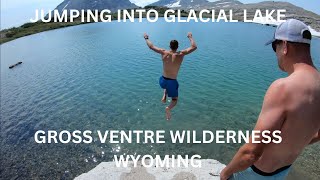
(291, 105)
(172, 60)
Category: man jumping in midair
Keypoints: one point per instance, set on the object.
(172, 60)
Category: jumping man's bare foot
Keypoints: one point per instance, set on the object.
(164, 98)
(168, 113)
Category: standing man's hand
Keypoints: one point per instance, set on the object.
(146, 36)
(189, 35)
(223, 175)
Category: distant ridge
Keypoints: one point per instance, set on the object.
(112, 5)
(310, 18)
(195, 4)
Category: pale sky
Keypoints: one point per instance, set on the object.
(18, 12)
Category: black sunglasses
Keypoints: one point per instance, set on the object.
(274, 44)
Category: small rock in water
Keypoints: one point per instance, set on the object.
(118, 149)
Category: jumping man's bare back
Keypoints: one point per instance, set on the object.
(171, 63)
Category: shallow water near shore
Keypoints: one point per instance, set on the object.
(102, 76)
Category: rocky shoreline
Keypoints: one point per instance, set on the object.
(210, 169)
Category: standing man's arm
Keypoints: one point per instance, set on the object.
(151, 46)
(193, 46)
(271, 118)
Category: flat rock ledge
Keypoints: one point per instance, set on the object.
(210, 169)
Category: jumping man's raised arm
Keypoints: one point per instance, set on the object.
(151, 46)
(193, 46)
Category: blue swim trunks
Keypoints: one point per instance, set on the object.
(171, 85)
(253, 173)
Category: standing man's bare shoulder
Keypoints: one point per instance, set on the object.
(274, 106)
(278, 90)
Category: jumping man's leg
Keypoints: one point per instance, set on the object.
(164, 97)
(171, 106)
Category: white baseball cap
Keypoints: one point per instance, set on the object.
(293, 31)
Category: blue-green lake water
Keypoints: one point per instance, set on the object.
(102, 76)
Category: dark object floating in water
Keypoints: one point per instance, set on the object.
(12, 66)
